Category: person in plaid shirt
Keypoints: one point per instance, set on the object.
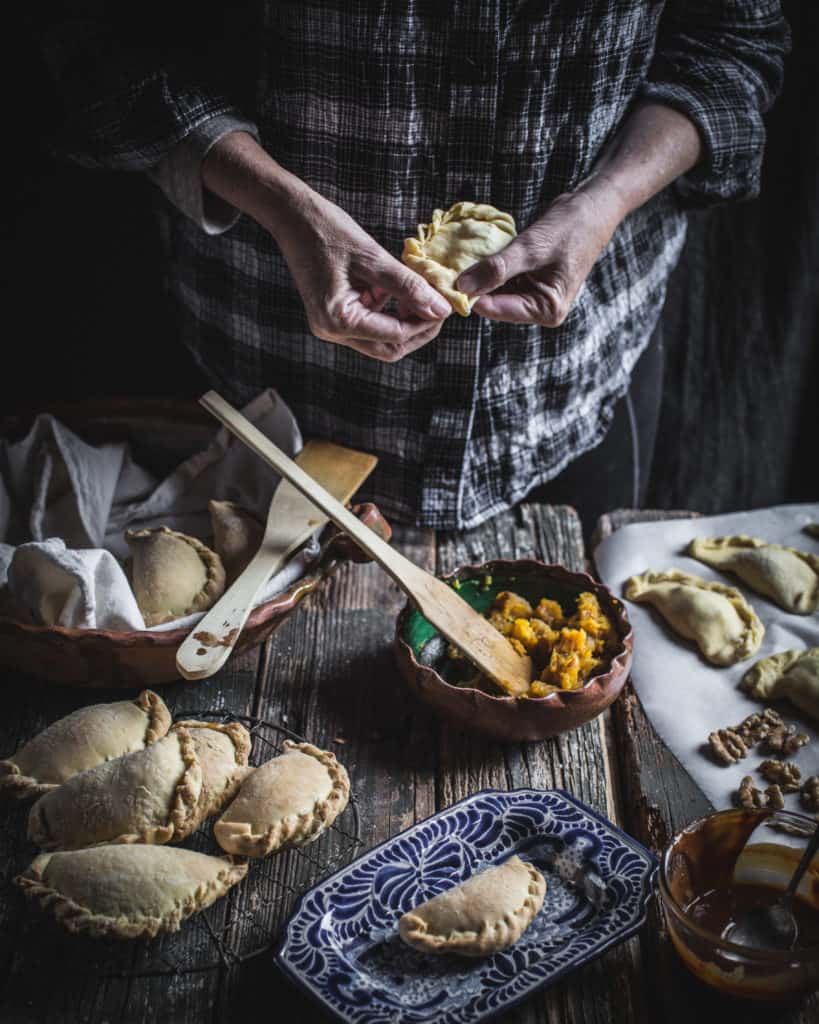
(298, 152)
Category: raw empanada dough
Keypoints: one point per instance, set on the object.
(236, 536)
(483, 915)
(716, 617)
(158, 795)
(790, 674)
(172, 574)
(442, 250)
(787, 576)
(288, 801)
(127, 892)
(82, 740)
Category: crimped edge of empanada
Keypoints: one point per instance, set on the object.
(241, 753)
(764, 674)
(214, 585)
(415, 254)
(748, 644)
(297, 830)
(16, 786)
(493, 936)
(183, 813)
(700, 547)
(80, 920)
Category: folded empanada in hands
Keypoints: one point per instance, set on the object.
(236, 536)
(172, 574)
(716, 617)
(85, 738)
(288, 801)
(158, 795)
(454, 240)
(127, 892)
(481, 916)
(787, 576)
(793, 675)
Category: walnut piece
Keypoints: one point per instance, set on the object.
(758, 725)
(748, 795)
(727, 746)
(775, 798)
(784, 773)
(784, 739)
(810, 793)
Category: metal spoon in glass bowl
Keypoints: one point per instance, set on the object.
(773, 926)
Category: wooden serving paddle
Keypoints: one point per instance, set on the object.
(482, 644)
(291, 519)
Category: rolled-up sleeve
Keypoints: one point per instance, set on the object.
(720, 62)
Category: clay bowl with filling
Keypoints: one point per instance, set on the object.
(422, 658)
(161, 434)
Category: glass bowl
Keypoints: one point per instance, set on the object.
(697, 868)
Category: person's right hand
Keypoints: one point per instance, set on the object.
(346, 279)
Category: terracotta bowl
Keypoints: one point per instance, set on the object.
(161, 435)
(421, 653)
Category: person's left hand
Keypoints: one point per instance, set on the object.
(536, 278)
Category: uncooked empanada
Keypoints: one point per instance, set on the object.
(483, 915)
(787, 576)
(82, 740)
(442, 250)
(158, 795)
(127, 892)
(172, 574)
(716, 617)
(288, 801)
(790, 674)
(236, 536)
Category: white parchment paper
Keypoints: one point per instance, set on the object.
(683, 695)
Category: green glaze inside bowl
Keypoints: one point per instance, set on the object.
(532, 582)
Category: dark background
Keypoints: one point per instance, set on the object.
(86, 316)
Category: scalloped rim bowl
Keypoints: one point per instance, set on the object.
(511, 718)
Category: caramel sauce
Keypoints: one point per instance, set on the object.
(717, 910)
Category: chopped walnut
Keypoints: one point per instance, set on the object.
(775, 798)
(784, 773)
(727, 746)
(758, 725)
(748, 795)
(810, 793)
(784, 739)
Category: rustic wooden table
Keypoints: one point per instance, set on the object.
(329, 674)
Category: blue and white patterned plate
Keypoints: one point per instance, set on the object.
(341, 943)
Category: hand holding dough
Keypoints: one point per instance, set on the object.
(454, 240)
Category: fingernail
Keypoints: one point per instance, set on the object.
(439, 308)
(467, 283)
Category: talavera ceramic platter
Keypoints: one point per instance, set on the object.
(342, 946)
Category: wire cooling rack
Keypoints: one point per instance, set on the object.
(243, 924)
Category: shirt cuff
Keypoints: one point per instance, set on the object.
(179, 174)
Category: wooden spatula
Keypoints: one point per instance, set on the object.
(436, 600)
(291, 519)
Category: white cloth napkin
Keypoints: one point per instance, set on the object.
(684, 696)
(65, 505)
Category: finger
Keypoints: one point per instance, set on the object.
(524, 253)
(375, 299)
(391, 353)
(413, 293)
(356, 321)
(521, 308)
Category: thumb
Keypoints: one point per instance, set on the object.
(491, 272)
(415, 295)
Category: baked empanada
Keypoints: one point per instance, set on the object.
(127, 892)
(481, 916)
(716, 617)
(158, 795)
(82, 740)
(236, 536)
(787, 576)
(172, 574)
(443, 249)
(288, 801)
(790, 674)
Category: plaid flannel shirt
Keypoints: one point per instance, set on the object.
(390, 110)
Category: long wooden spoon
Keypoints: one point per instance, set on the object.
(436, 601)
(291, 519)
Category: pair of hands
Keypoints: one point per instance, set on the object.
(346, 280)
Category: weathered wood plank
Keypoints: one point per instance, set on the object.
(658, 799)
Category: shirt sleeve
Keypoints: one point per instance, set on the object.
(720, 62)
